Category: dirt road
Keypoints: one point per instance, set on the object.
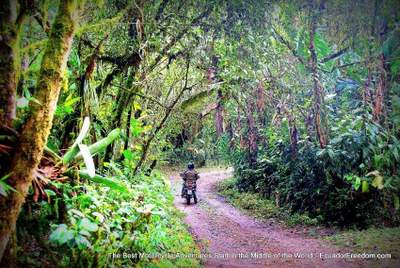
(228, 238)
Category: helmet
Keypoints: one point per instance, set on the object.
(190, 166)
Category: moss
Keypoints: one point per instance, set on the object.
(10, 32)
(193, 100)
(34, 133)
(101, 25)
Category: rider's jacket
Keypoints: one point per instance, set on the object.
(190, 175)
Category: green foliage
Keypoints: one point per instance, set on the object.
(136, 127)
(205, 150)
(348, 182)
(112, 183)
(75, 237)
(74, 149)
(67, 107)
(395, 101)
(391, 50)
(101, 144)
(197, 98)
(141, 220)
(4, 187)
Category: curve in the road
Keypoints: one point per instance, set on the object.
(231, 239)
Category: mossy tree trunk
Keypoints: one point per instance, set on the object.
(10, 26)
(11, 21)
(34, 133)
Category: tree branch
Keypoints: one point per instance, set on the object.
(160, 10)
(163, 120)
(178, 37)
(334, 55)
(134, 59)
(142, 96)
(282, 40)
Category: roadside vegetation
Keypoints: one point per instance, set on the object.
(101, 226)
(379, 240)
(254, 204)
(370, 240)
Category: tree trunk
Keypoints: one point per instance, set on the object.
(124, 100)
(219, 110)
(260, 103)
(231, 135)
(308, 121)
(10, 32)
(128, 128)
(10, 28)
(34, 133)
(380, 91)
(242, 142)
(293, 133)
(320, 123)
(10, 257)
(383, 82)
(252, 133)
(219, 115)
(366, 93)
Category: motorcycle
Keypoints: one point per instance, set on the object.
(189, 191)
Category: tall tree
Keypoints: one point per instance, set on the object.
(319, 116)
(34, 133)
(252, 131)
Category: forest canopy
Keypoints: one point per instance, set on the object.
(301, 98)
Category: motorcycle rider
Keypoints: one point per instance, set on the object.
(189, 174)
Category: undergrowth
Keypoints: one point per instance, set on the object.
(101, 223)
(351, 182)
(260, 207)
